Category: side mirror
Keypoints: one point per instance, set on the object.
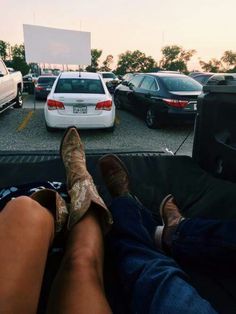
(1, 74)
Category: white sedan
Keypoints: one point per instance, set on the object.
(79, 99)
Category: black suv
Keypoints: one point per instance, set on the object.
(159, 97)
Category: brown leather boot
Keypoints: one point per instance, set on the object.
(171, 217)
(115, 175)
(81, 187)
(52, 200)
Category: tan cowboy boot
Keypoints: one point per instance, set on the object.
(52, 200)
(80, 184)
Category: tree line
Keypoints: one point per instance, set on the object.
(174, 58)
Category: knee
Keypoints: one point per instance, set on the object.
(28, 210)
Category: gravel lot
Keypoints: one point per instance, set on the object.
(24, 129)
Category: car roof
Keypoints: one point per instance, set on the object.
(197, 73)
(224, 74)
(47, 76)
(85, 75)
(164, 74)
(103, 72)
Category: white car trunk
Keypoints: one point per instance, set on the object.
(76, 105)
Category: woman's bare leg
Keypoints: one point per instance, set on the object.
(78, 287)
(26, 232)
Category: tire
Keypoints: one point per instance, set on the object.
(151, 120)
(118, 103)
(19, 99)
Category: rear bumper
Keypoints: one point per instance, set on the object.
(172, 114)
(181, 115)
(55, 120)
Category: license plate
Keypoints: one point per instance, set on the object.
(80, 109)
(192, 106)
(48, 89)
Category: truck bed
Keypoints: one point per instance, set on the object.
(153, 175)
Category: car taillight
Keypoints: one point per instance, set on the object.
(38, 87)
(104, 105)
(176, 103)
(54, 104)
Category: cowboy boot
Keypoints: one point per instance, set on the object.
(171, 218)
(52, 200)
(80, 184)
(115, 175)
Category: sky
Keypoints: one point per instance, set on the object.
(208, 26)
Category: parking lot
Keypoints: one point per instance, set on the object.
(24, 129)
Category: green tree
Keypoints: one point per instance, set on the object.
(175, 58)
(106, 65)
(18, 59)
(95, 55)
(212, 65)
(135, 61)
(3, 49)
(229, 60)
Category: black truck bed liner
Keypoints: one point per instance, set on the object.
(153, 175)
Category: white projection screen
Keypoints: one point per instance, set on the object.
(56, 46)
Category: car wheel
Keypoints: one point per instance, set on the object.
(151, 119)
(19, 99)
(118, 102)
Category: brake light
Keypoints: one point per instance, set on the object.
(176, 103)
(54, 104)
(104, 105)
(38, 87)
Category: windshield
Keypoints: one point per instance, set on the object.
(46, 80)
(113, 42)
(108, 75)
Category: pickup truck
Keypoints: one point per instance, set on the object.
(198, 183)
(11, 88)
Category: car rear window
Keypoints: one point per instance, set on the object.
(46, 80)
(179, 84)
(108, 75)
(83, 86)
(202, 78)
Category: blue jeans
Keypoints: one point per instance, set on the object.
(152, 281)
(210, 244)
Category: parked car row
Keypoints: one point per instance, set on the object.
(83, 99)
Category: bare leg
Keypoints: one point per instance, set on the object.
(26, 232)
(78, 287)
